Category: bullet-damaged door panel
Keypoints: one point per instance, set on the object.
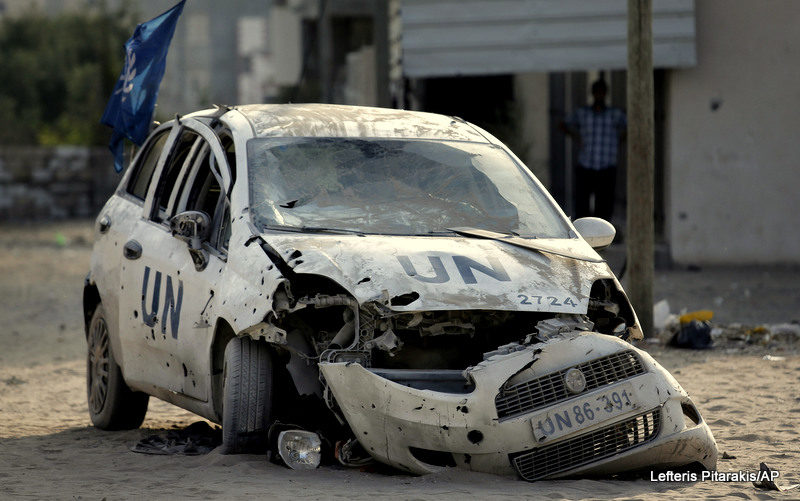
(397, 282)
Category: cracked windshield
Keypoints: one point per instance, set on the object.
(409, 187)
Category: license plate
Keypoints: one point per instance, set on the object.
(580, 413)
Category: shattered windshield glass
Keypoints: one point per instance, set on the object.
(394, 186)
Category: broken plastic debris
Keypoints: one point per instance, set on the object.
(352, 454)
(773, 358)
(700, 315)
(769, 484)
(725, 455)
(299, 449)
(14, 380)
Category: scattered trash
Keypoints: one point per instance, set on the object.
(300, 449)
(196, 439)
(700, 315)
(790, 331)
(769, 483)
(660, 314)
(14, 381)
(665, 323)
(773, 358)
(765, 339)
(60, 239)
(725, 455)
(695, 335)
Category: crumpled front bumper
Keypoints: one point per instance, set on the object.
(395, 422)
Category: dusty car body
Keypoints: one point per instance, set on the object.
(398, 278)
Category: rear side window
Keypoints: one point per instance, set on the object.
(140, 181)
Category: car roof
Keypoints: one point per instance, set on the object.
(332, 120)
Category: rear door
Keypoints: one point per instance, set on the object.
(168, 295)
(116, 223)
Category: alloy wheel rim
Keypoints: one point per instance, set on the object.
(98, 365)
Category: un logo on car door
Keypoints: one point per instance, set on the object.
(172, 303)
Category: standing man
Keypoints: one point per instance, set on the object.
(598, 130)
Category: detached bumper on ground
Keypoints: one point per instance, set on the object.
(623, 412)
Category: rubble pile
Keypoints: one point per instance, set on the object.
(684, 331)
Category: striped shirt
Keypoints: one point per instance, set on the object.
(599, 131)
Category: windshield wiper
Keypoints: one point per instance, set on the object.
(311, 229)
(435, 233)
(320, 229)
(455, 231)
(559, 248)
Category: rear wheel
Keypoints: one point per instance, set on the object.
(247, 396)
(112, 405)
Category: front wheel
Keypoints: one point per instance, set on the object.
(112, 405)
(247, 396)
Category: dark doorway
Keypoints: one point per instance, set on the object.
(569, 91)
(486, 101)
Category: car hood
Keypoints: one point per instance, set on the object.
(443, 273)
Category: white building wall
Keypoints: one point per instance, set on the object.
(286, 42)
(253, 53)
(734, 159)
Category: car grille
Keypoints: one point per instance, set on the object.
(528, 396)
(584, 449)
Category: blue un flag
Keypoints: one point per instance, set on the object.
(130, 108)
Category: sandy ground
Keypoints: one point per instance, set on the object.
(48, 448)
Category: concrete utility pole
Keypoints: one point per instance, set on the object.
(325, 34)
(380, 23)
(640, 231)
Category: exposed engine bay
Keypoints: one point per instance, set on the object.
(423, 350)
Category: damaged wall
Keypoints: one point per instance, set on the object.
(732, 123)
(38, 183)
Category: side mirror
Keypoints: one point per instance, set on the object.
(193, 227)
(597, 232)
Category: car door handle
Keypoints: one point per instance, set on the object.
(132, 250)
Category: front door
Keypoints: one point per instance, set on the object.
(169, 291)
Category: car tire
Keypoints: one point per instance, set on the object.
(247, 396)
(112, 405)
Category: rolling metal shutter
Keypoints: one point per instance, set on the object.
(484, 37)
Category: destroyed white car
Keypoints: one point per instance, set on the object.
(391, 280)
